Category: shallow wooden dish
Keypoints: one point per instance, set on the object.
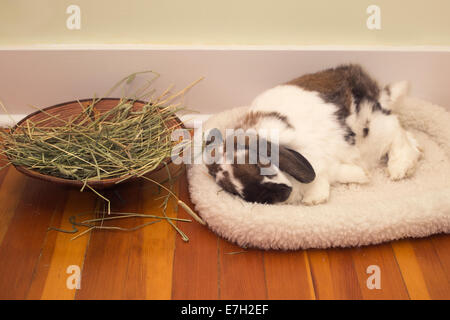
(65, 111)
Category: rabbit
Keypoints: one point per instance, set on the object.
(333, 126)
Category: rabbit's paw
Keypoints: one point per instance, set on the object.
(317, 192)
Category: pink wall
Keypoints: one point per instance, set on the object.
(233, 77)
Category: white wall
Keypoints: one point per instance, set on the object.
(230, 22)
(48, 76)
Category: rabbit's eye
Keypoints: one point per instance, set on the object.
(365, 132)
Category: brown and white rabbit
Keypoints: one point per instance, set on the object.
(333, 125)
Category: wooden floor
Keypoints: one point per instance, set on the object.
(155, 263)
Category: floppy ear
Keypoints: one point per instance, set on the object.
(296, 165)
(289, 161)
(393, 94)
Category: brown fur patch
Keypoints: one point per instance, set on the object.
(340, 85)
(253, 117)
(213, 168)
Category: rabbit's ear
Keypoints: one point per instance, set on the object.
(289, 161)
(296, 165)
(393, 94)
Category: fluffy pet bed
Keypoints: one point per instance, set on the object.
(355, 214)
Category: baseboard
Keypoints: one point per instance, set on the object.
(10, 120)
(134, 46)
(44, 75)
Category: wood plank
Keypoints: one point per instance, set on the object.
(150, 266)
(288, 275)
(334, 275)
(60, 252)
(134, 286)
(158, 248)
(391, 282)
(441, 244)
(242, 274)
(195, 269)
(135, 264)
(24, 238)
(111, 268)
(3, 171)
(10, 193)
(3, 163)
(411, 271)
(436, 279)
(321, 274)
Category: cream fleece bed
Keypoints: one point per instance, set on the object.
(355, 215)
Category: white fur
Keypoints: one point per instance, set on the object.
(319, 137)
(393, 94)
(355, 215)
(278, 178)
(317, 134)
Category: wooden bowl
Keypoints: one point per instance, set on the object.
(65, 111)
